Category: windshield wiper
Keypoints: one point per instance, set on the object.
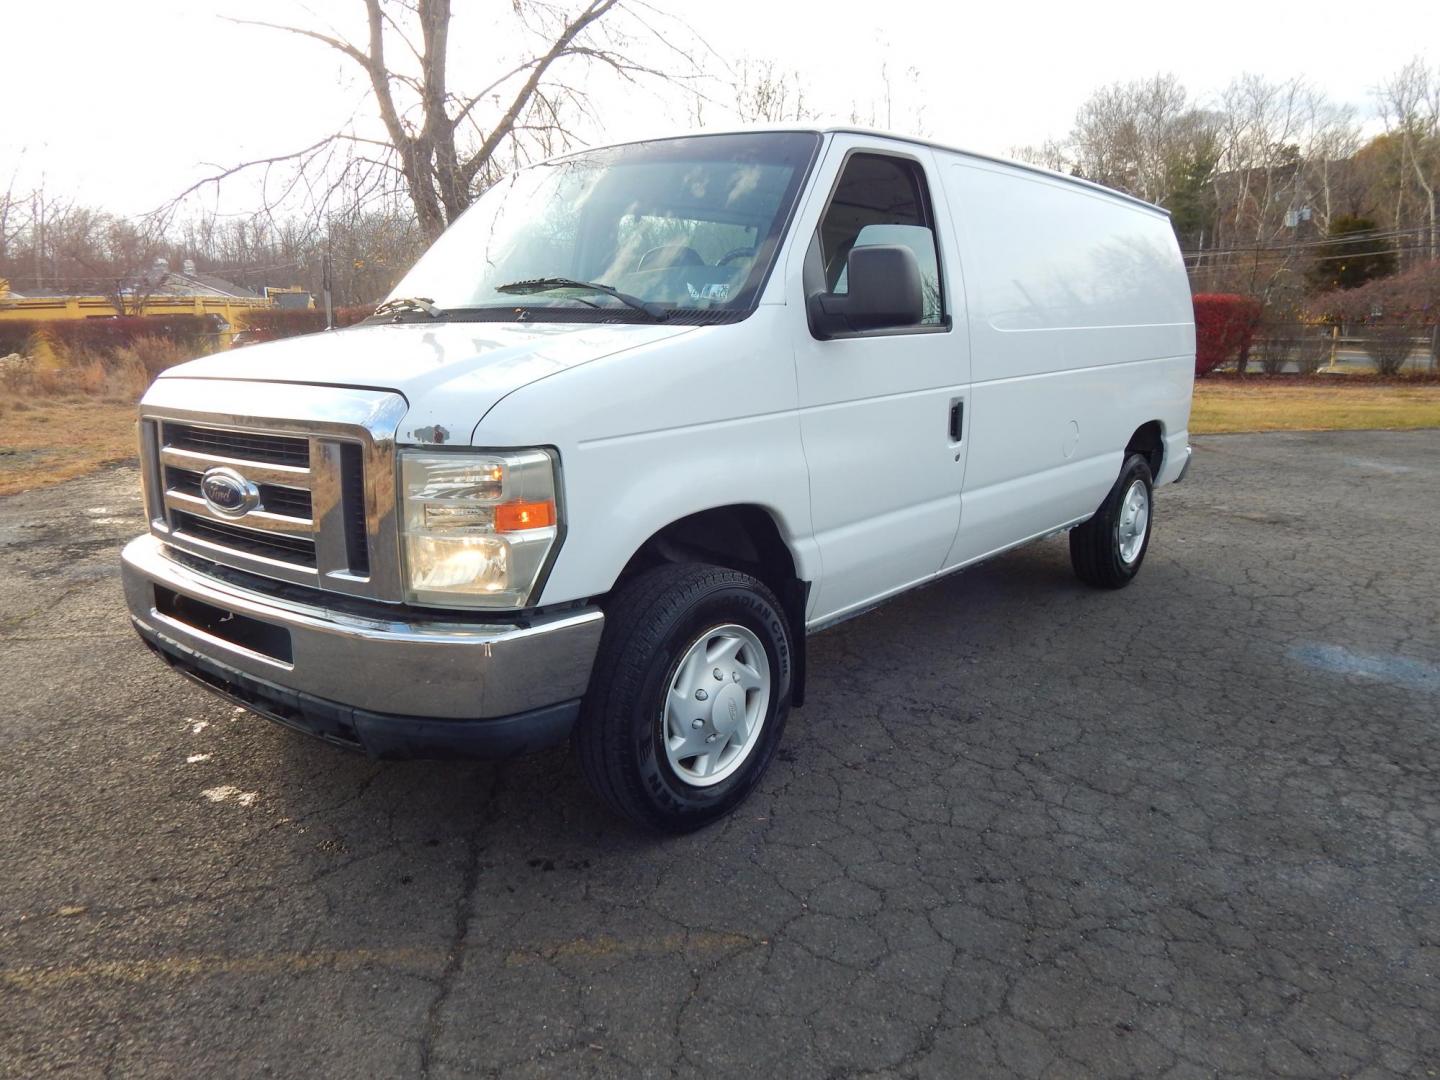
(545, 284)
(402, 304)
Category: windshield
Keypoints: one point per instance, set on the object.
(691, 225)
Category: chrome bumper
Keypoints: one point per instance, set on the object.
(435, 669)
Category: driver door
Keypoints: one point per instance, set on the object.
(879, 409)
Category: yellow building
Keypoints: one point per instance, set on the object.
(170, 293)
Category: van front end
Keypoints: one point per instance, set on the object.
(277, 573)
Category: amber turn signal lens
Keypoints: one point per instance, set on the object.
(517, 516)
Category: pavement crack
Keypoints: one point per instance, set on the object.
(464, 915)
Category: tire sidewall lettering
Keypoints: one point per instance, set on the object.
(729, 604)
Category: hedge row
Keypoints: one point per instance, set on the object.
(1224, 328)
(192, 332)
(270, 324)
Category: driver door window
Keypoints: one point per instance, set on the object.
(879, 200)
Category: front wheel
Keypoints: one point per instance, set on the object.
(1108, 549)
(688, 696)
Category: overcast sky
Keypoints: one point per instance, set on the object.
(119, 102)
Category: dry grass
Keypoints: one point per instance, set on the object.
(1230, 407)
(45, 441)
(63, 419)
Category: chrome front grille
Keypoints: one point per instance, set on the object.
(273, 449)
(262, 545)
(278, 499)
(320, 476)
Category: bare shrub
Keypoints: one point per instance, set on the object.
(89, 379)
(1394, 314)
(81, 372)
(126, 382)
(1272, 349)
(15, 372)
(1307, 347)
(1312, 350)
(1388, 344)
(152, 355)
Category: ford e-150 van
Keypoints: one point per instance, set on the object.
(640, 421)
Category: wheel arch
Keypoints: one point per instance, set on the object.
(1149, 439)
(742, 536)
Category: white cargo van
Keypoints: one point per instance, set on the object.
(641, 420)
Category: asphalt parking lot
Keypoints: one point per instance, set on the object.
(1021, 828)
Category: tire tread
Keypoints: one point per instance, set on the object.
(636, 620)
(1093, 553)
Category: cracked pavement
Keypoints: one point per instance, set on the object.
(1021, 829)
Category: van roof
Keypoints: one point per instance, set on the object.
(845, 129)
(999, 159)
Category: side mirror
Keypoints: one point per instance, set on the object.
(884, 291)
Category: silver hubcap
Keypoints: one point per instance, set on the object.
(1134, 521)
(716, 706)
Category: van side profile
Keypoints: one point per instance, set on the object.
(640, 421)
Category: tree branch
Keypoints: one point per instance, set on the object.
(587, 17)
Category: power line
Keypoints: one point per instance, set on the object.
(1287, 253)
(1324, 241)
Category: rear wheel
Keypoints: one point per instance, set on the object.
(1108, 549)
(688, 696)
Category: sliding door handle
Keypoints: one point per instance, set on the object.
(957, 420)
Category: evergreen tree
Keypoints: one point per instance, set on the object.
(1351, 255)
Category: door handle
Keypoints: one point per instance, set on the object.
(957, 420)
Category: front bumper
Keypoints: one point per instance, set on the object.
(419, 688)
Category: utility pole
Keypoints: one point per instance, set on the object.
(37, 211)
(325, 274)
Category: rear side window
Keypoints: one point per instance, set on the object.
(881, 200)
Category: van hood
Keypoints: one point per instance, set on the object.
(451, 374)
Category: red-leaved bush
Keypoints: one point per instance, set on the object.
(1224, 326)
(271, 324)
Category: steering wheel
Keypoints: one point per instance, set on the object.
(737, 253)
(669, 257)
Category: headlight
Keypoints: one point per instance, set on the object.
(477, 528)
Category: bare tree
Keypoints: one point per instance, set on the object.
(441, 144)
(14, 221)
(763, 93)
(1147, 138)
(893, 105)
(1332, 140)
(369, 246)
(1125, 135)
(1052, 154)
(121, 259)
(1276, 181)
(1410, 107)
(1261, 161)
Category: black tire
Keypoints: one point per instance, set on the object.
(650, 624)
(1095, 546)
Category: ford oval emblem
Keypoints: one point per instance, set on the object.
(228, 493)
